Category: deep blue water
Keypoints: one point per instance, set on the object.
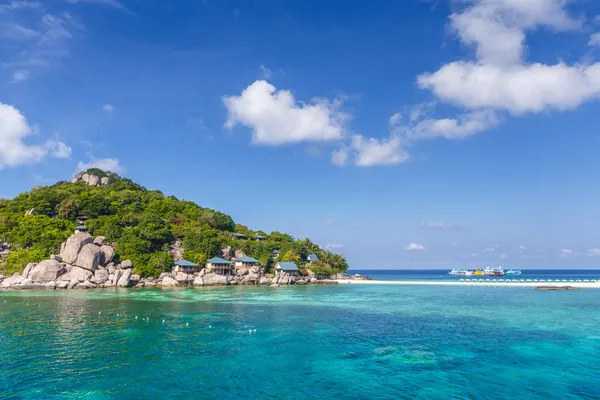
(311, 342)
(438, 275)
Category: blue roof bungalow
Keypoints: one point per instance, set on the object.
(219, 266)
(245, 262)
(81, 228)
(275, 253)
(259, 237)
(240, 236)
(288, 267)
(312, 257)
(185, 266)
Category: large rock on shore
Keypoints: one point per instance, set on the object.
(28, 269)
(100, 276)
(106, 254)
(169, 282)
(76, 274)
(214, 279)
(89, 257)
(124, 279)
(47, 270)
(13, 280)
(70, 252)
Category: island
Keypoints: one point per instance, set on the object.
(101, 230)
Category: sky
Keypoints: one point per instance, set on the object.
(402, 134)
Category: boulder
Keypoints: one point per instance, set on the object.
(169, 282)
(251, 278)
(127, 264)
(183, 278)
(202, 272)
(116, 276)
(50, 285)
(104, 181)
(227, 253)
(99, 240)
(274, 285)
(55, 257)
(73, 246)
(111, 268)
(255, 269)
(78, 177)
(47, 270)
(62, 284)
(85, 177)
(242, 271)
(93, 180)
(166, 274)
(214, 279)
(106, 254)
(150, 284)
(13, 280)
(135, 278)
(89, 257)
(28, 286)
(28, 269)
(198, 281)
(100, 276)
(85, 285)
(239, 254)
(311, 274)
(78, 274)
(124, 278)
(263, 281)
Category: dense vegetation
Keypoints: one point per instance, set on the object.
(141, 223)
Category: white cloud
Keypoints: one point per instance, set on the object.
(14, 129)
(594, 252)
(503, 256)
(276, 118)
(462, 126)
(335, 246)
(594, 39)
(370, 152)
(436, 225)
(58, 149)
(521, 247)
(20, 76)
(489, 250)
(265, 73)
(395, 119)
(340, 157)
(415, 247)
(566, 252)
(108, 108)
(105, 164)
(329, 222)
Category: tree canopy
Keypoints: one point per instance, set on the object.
(141, 223)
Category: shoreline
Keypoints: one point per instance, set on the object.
(581, 285)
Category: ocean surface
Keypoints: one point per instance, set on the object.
(303, 342)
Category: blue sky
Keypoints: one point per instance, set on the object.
(403, 134)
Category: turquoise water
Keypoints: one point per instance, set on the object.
(342, 342)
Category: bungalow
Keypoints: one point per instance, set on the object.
(275, 253)
(80, 219)
(185, 266)
(240, 236)
(259, 237)
(219, 266)
(245, 262)
(288, 267)
(81, 228)
(312, 257)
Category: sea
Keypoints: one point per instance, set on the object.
(304, 342)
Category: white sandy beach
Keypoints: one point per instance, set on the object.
(586, 285)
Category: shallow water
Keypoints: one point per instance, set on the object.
(343, 342)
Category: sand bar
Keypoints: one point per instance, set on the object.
(586, 285)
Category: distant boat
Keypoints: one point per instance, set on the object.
(513, 272)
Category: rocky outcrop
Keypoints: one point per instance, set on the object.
(48, 270)
(127, 264)
(124, 278)
(227, 253)
(28, 269)
(89, 257)
(239, 254)
(214, 279)
(106, 254)
(70, 251)
(91, 179)
(176, 250)
(169, 282)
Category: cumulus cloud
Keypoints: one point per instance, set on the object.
(265, 73)
(105, 164)
(14, 151)
(594, 252)
(108, 108)
(275, 117)
(566, 252)
(368, 152)
(500, 79)
(594, 40)
(20, 76)
(414, 247)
